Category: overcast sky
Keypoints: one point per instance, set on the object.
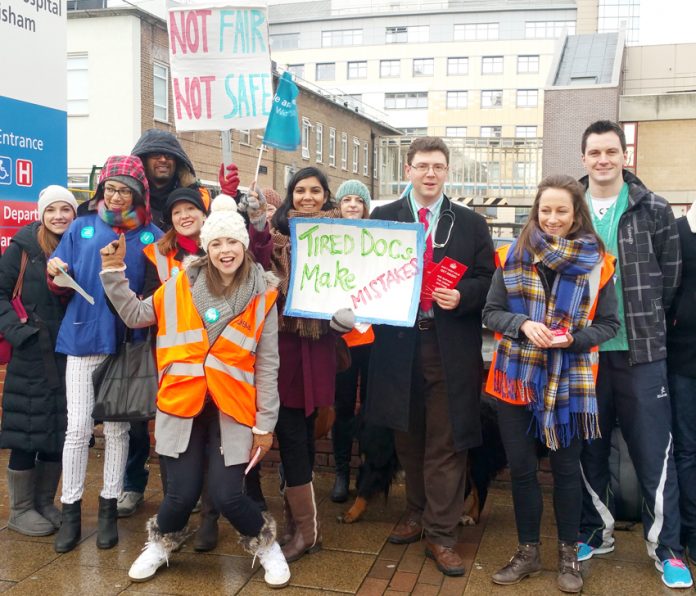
(667, 21)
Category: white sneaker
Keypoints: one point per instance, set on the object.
(274, 564)
(154, 555)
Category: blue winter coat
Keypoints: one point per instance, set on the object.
(95, 329)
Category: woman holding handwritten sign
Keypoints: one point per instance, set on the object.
(551, 300)
(306, 379)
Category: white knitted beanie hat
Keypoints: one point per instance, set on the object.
(224, 222)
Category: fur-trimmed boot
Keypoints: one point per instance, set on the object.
(265, 547)
(156, 552)
(307, 536)
(47, 478)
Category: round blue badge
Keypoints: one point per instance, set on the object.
(175, 271)
(147, 237)
(211, 315)
(87, 232)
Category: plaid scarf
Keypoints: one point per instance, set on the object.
(557, 384)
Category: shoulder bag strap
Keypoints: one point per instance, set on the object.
(20, 278)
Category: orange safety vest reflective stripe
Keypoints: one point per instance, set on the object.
(167, 265)
(354, 338)
(189, 368)
(606, 274)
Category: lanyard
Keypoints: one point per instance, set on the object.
(434, 214)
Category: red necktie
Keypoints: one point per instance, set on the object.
(426, 304)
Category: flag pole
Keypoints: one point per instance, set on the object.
(258, 164)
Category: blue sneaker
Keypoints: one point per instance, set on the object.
(675, 573)
(585, 551)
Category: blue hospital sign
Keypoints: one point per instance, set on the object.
(33, 119)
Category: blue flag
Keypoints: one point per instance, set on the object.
(283, 127)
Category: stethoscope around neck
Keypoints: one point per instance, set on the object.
(449, 216)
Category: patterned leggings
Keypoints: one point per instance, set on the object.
(80, 398)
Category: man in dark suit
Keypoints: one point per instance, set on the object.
(425, 381)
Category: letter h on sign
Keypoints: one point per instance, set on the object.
(24, 172)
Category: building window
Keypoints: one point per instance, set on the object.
(491, 131)
(332, 147)
(417, 34)
(455, 131)
(389, 68)
(344, 150)
(492, 171)
(366, 159)
(244, 136)
(357, 70)
(160, 91)
(297, 70)
(615, 13)
(414, 131)
(457, 100)
(374, 162)
(457, 66)
(305, 138)
(475, 31)
(408, 101)
(78, 85)
(492, 98)
(492, 65)
(527, 64)
(631, 132)
(319, 140)
(527, 98)
(548, 29)
(343, 37)
(423, 67)
(356, 155)
(524, 172)
(525, 132)
(285, 41)
(326, 71)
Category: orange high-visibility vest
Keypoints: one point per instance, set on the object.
(167, 265)
(606, 274)
(354, 338)
(189, 368)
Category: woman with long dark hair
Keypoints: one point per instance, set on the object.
(551, 302)
(33, 404)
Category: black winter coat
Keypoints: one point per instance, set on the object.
(458, 332)
(34, 414)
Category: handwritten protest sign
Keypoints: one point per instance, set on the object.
(373, 267)
(220, 63)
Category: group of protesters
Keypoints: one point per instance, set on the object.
(591, 309)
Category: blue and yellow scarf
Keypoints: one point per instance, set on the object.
(557, 384)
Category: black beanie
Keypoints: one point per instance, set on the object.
(190, 195)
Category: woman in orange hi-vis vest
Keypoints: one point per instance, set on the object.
(217, 357)
(353, 199)
(551, 302)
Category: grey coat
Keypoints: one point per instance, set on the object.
(172, 433)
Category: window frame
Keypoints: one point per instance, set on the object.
(319, 142)
(332, 147)
(81, 100)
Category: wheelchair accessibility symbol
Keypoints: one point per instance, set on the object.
(5, 170)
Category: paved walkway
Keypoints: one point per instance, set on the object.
(355, 559)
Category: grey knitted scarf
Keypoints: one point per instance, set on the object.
(228, 308)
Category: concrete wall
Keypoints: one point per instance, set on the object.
(587, 13)
(660, 69)
(567, 113)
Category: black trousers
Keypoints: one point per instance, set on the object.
(225, 483)
(295, 434)
(349, 384)
(21, 460)
(638, 397)
(521, 450)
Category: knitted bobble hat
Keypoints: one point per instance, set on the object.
(354, 187)
(224, 222)
(54, 194)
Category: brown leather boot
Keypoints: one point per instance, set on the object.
(569, 578)
(206, 537)
(307, 536)
(526, 562)
(288, 530)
